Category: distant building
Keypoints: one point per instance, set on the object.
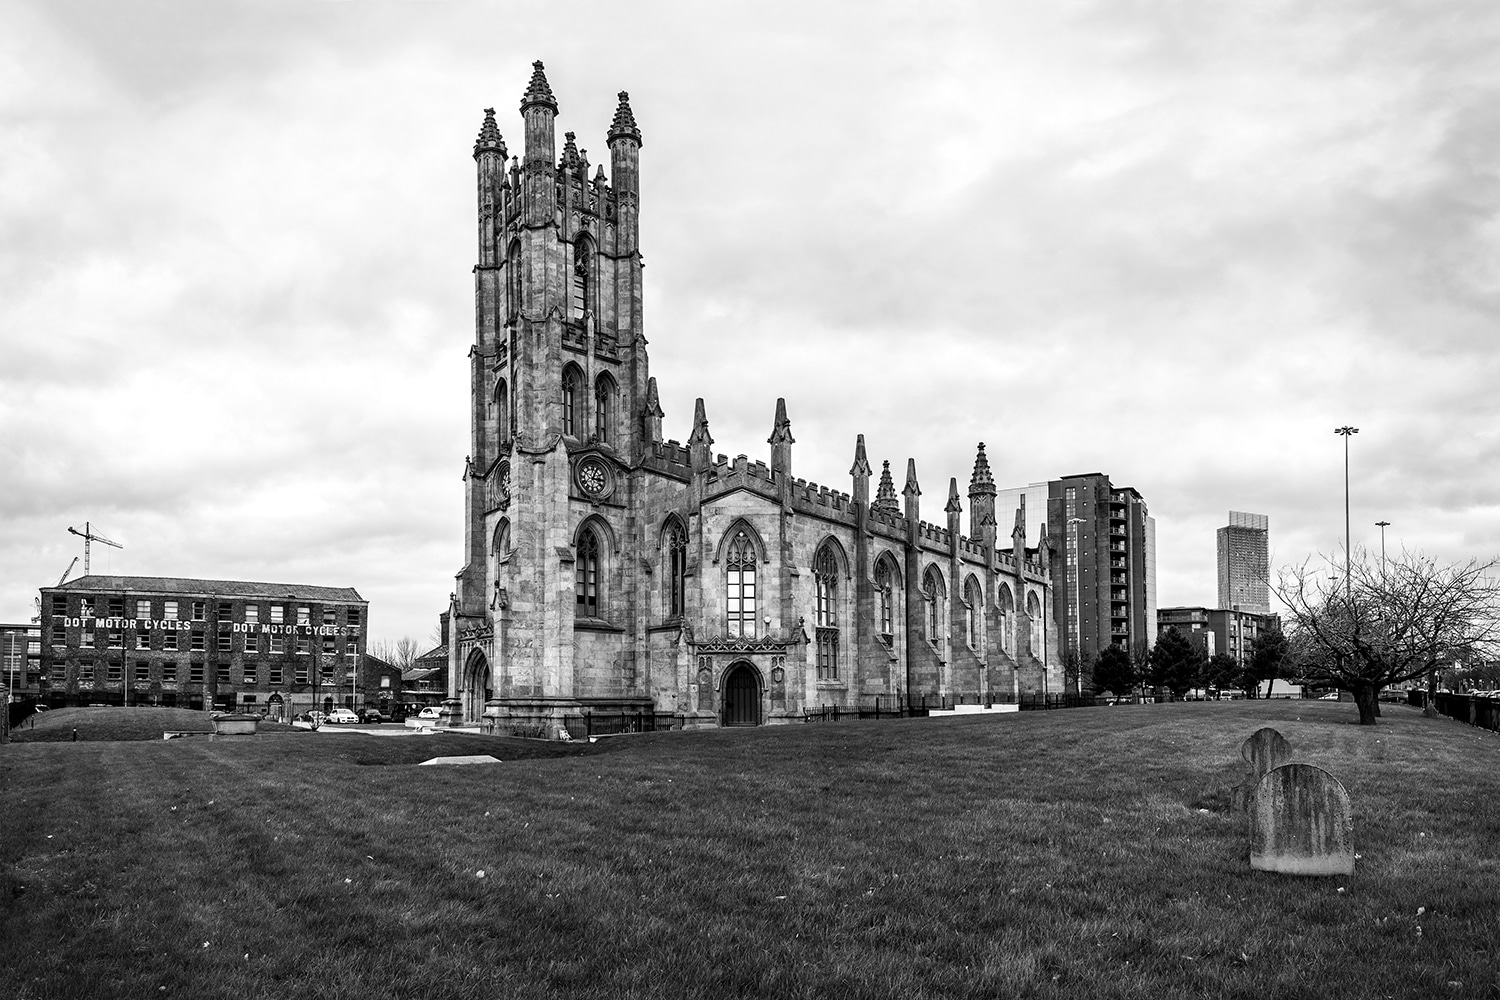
(20, 660)
(1218, 630)
(1103, 565)
(141, 640)
(1245, 563)
(381, 683)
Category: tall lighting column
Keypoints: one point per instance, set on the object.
(1346, 432)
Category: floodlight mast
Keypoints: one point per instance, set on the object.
(87, 534)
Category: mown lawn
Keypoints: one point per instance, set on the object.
(1080, 853)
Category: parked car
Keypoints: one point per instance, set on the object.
(425, 719)
(372, 715)
(343, 716)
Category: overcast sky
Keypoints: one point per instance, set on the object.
(1172, 241)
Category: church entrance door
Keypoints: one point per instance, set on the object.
(475, 691)
(741, 696)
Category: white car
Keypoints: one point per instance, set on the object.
(344, 716)
(425, 719)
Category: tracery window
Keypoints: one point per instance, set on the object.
(825, 583)
(825, 578)
(1034, 619)
(885, 592)
(604, 399)
(502, 411)
(1007, 621)
(739, 586)
(513, 279)
(676, 574)
(973, 613)
(932, 592)
(586, 574)
(583, 263)
(571, 415)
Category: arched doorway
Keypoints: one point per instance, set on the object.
(476, 687)
(741, 696)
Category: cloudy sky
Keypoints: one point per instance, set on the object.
(1172, 241)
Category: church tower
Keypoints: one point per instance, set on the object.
(563, 408)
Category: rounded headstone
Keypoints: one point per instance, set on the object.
(1301, 823)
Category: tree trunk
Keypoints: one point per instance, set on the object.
(1366, 698)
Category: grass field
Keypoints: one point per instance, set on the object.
(1082, 853)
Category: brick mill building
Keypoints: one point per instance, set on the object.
(609, 569)
(145, 640)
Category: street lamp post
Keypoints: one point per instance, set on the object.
(1346, 432)
(1382, 525)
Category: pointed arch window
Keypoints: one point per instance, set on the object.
(1007, 621)
(825, 583)
(1034, 619)
(739, 586)
(932, 593)
(676, 570)
(586, 573)
(571, 415)
(513, 279)
(885, 591)
(973, 613)
(604, 407)
(501, 402)
(583, 270)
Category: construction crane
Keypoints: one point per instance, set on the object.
(63, 579)
(87, 534)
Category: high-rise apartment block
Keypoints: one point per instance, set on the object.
(1245, 563)
(1103, 566)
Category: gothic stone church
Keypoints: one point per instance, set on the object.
(610, 570)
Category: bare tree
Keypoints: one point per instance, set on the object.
(400, 653)
(1389, 621)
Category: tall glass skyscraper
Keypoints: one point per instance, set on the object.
(1245, 563)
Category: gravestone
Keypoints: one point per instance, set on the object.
(1263, 749)
(1301, 823)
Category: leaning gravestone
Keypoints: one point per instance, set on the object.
(1263, 750)
(1301, 823)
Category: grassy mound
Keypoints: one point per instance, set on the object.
(110, 723)
(1077, 853)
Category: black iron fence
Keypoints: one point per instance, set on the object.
(1474, 709)
(590, 724)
